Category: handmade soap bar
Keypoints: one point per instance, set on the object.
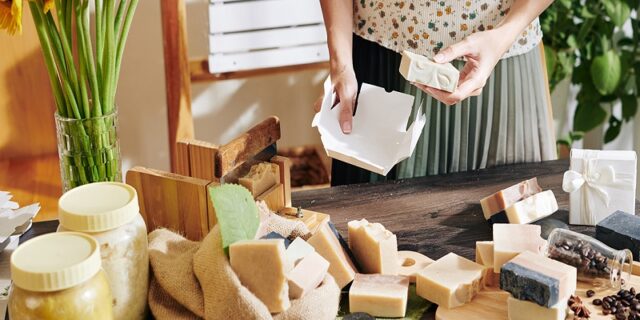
(484, 257)
(297, 250)
(509, 240)
(420, 69)
(620, 230)
(307, 275)
(450, 281)
(261, 177)
(533, 208)
(411, 262)
(379, 295)
(262, 267)
(539, 279)
(344, 245)
(503, 199)
(375, 248)
(328, 246)
(525, 310)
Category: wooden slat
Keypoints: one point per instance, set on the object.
(211, 211)
(285, 177)
(182, 158)
(265, 39)
(253, 15)
(268, 58)
(274, 197)
(247, 145)
(200, 71)
(176, 71)
(202, 156)
(172, 201)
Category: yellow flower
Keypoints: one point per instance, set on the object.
(48, 5)
(11, 16)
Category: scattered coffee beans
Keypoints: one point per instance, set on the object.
(624, 305)
(590, 293)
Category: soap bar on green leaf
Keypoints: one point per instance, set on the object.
(237, 213)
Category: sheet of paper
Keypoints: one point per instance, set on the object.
(379, 138)
(5, 273)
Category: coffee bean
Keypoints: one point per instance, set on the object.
(597, 302)
(590, 293)
(625, 303)
(606, 311)
(620, 316)
(614, 309)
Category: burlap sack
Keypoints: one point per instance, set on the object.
(192, 280)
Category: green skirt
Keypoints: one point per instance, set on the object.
(510, 122)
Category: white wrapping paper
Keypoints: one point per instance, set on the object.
(600, 182)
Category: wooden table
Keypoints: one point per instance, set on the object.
(433, 215)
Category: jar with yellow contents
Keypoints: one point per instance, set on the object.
(59, 276)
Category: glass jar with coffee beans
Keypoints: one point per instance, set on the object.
(597, 263)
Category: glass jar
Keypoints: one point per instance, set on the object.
(597, 263)
(109, 212)
(59, 276)
(89, 150)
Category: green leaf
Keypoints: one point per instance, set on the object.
(613, 131)
(617, 10)
(588, 117)
(237, 213)
(605, 72)
(629, 106)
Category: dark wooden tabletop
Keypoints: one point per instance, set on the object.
(432, 215)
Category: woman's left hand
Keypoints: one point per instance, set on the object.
(482, 51)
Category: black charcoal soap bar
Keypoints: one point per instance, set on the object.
(620, 230)
(344, 245)
(529, 285)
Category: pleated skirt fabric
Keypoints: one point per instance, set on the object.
(510, 122)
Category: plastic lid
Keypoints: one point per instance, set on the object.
(55, 261)
(98, 207)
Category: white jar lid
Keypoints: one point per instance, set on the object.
(55, 261)
(98, 207)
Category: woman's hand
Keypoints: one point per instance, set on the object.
(482, 51)
(345, 86)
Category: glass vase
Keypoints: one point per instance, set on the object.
(89, 150)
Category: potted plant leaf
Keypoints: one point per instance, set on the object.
(83, 64)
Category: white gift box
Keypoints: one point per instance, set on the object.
(379, 138)
(600, 182)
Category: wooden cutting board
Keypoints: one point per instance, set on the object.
(492, 304)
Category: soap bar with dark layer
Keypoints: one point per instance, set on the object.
(620, 230)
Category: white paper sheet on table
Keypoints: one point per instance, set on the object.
(5, 273)
(379, 138)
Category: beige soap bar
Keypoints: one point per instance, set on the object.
(410, 263)
(374, 247)
(450, 281)
(533, 208)
(503, 199)
(262, 267)
(307, 275)
(379, 295)
(526, 310)
(261, 177)
(420, 69)
(328, 246)
(509, 240)
(297, 250)
(484, 257)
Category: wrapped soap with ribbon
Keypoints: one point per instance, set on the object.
(600, 182)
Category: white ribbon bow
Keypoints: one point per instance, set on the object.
(594, 181)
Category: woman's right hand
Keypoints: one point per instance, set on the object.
(345, 86)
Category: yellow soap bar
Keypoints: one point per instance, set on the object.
(262, 267)
(374, 247)
(450, 281)
(379, 295)
(328, 246)
(260, 178)
(509, 240)
(484, 257)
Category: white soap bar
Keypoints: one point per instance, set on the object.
(379, 295)
(450, 281)
(327, 245)
(297, 250)
(526, 310)
(420, 69)
(411, 262)
(262, 267)
(509, 240)
(307, 275)
(374, 247)
(484, 257)
(534, 208)
(505, 198)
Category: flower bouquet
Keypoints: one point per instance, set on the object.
(83, 68)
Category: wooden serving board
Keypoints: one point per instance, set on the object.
(492, 304)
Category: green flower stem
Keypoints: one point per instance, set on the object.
(84, 37)
(122, 40)
(109, 58)
(122, 5)
(99, 36)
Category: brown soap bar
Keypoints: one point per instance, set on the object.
(503, 199)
